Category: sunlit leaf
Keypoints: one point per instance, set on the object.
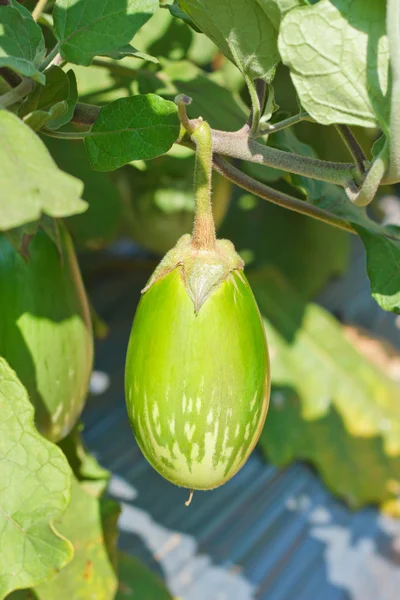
(338, 56)
(241, 29)
(87, 28)
(34, 493)
(43, 187)
(135, 128)
(21, 42)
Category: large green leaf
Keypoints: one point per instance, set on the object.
(91, 573)
(329, 404)
(34, 493)
(135, 128)
(21, 42)
(137, 582)
(241, 29)
(337, 52)
(86, 28)
(43, 187)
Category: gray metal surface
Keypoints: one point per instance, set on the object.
(267, 534)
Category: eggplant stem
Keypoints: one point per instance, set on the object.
(187, 503)
(203, 237)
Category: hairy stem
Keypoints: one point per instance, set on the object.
(255, 106)
(353, 146)
(393, 32)
(39, 8)
(245, 148)
(263, 191)
(274, 127)
(239, 145)
(203, 237)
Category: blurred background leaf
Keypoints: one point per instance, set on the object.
(329, 404)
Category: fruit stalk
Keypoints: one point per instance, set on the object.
(203, 237)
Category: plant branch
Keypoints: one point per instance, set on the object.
(16, 94)
(274, 127)
(263, 191)
(257, 100)
(393, 32)
(39, 8)
(239, 145)
(65, 135)
(50, 57)
(85, 114)
(353, 146)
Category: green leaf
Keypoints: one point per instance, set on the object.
(179, 14)
(382, 244)
(39, 118)
(137, 582)
(42, 189)
(21, 42)
(383, 266)
(135, 128)
(56, 89)
(34, 493)
(329, 404)
(87, 28)
(338, 56)
(90, 574)
(276, 9)
(71, 99)
(128, 50)
(98, 225)
(242, 30)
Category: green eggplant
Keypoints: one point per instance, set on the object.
(45, 329)
(197, 370)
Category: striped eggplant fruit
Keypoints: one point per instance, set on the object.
(45, 329)
(197, 371)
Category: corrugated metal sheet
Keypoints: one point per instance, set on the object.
(267, 534)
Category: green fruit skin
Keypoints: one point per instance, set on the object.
(45, 329)
(197, 386)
